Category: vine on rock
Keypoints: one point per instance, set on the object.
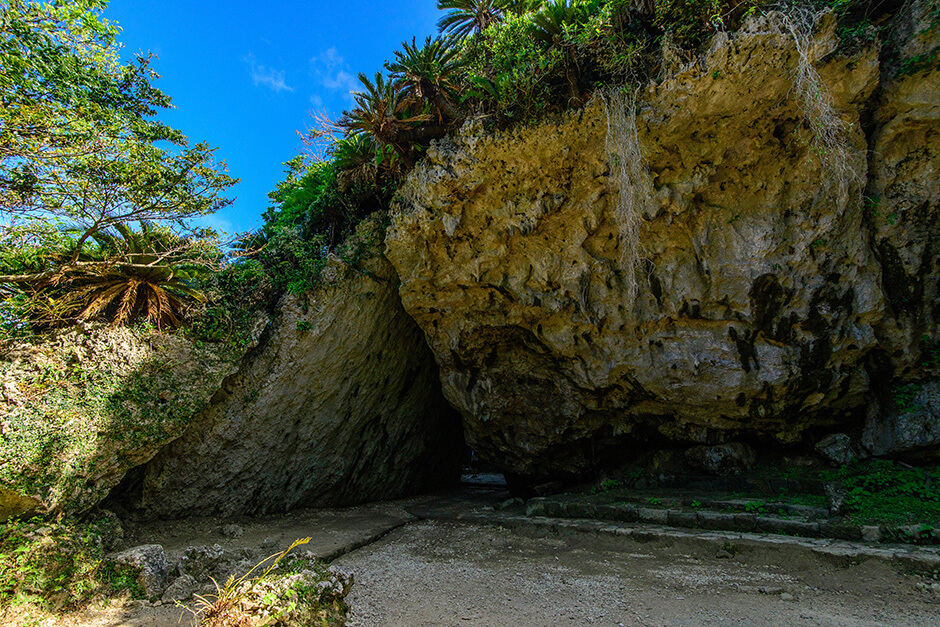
(830, 139)
(630, 174)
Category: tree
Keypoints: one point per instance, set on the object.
(78, 135)
(391, 118)
(469, 17)
(550, 25)
(429, 74)
(122, 275)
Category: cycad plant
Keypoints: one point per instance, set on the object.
(392, 119)
(145, 276)
(357, 164)
(128, 275)
(429, 74)
(551, 24)
(469, 17)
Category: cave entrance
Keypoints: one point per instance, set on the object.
(480, 475)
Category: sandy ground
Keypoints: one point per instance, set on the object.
(445, 574)
(440, 571)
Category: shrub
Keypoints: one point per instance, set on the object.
(51, 566)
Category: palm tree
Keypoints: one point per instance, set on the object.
(428, 74)
(357, 164)
(469, 17)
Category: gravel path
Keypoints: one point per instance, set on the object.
(446, 574)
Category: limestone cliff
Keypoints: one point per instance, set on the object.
(340, 404)
(771, 297)
(82, 407)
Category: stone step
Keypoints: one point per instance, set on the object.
(810, 525)
(686, 500)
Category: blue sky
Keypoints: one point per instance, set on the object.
(244, 76)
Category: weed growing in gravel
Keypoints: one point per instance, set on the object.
(289, 591)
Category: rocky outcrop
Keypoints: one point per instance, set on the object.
(903, 213)
(340, 404)
(761, 301)
(81, 407)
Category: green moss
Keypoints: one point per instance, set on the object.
(79, 427)
(47, 567)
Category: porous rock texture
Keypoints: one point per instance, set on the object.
(340, 404)
(761, 296)
(82, 406)
(904, 222)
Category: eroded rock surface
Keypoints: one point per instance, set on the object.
(83, 406)
(760, 300)
(340, 404)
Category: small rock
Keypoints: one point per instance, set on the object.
(232, 531)
(149, 560)
(723, 555)
(871, 534)
(732, 458)
(515, 503)
(268, 543)
(836, 495)
(181, 589)
(200, 561)
(837, 448)
(786, 596)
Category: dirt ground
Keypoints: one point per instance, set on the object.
(444, 574)
(441, 572)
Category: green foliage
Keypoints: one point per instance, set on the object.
(469, 17)
(511, 74)
(51, 566)
(606, 486)
(288, 591)
(693, 22)
(904, 397)
(920, 63)
(429, 75)
(655, 501)
(755, 507)
(883, 491)
(81, 159)
(77, 142)
(122, 275)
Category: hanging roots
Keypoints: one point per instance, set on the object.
(630, 174)
(829, 131)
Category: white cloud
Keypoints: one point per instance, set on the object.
(332, 73)
(267, 77)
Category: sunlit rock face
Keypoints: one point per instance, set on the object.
(760, 300)
(340, 404)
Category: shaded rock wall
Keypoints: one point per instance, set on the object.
(340, 404)
(81, 407)
(762, 296)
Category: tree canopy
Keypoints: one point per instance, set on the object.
(81, 148)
